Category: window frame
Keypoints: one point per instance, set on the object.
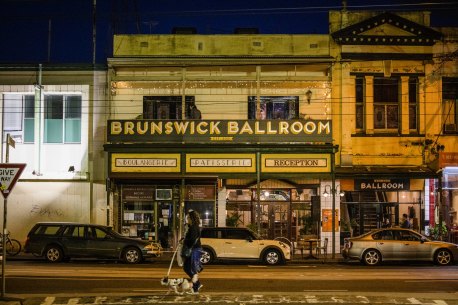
(391, 108)
(449, 105)
(62, 115)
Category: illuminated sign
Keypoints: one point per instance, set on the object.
(145, 163)
(220, 163)
(295, 163)
(222, 131)
(382, 184)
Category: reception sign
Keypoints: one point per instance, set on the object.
(220, 163)
(145, 163)
(220, 131)
(295, 163)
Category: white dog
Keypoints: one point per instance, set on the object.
(179, 286)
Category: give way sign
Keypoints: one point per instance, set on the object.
(9, 174)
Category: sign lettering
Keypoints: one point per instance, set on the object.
(265, 131)
(9, 174)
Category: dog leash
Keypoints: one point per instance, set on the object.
(171, 262)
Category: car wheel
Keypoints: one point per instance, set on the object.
(131, 255)
(443, 257)
(54, 254)
(272, 257)
(372, 257)
(207, 256)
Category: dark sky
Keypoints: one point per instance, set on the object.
(60, 31)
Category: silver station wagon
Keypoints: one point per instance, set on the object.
(396, 244)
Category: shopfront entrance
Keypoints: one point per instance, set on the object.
(284, 213)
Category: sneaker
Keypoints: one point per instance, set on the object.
(200, 286)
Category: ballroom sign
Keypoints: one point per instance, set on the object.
(382, 184)
(219, 131)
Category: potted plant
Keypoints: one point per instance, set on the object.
(234, 219)
(439, 231)
(307, 224)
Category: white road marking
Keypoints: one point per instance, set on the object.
(325, 290)
(48, 301)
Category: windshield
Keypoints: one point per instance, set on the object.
(114, 233)
(256, 236)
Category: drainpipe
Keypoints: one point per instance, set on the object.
(38, 123)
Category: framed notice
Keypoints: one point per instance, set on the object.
(326, 220)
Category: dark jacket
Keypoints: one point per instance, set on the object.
(192, 234)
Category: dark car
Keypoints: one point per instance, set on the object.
(241, 244)
(59, 241)
(396, 244)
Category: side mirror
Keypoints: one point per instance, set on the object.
(250, 239)
(422, 239)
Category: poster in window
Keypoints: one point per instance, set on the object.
(392, 116)
(163, 111)
(359, 117)
(379, 117)
(279, 110)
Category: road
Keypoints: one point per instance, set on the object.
(422, 282)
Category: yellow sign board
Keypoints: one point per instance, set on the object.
(220, 163)
(295, 163)
(145, 163)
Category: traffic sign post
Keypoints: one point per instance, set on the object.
(9, 174)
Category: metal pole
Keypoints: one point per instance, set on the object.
(4, 246)
(5, 204)
(258, 192)
(333, 207)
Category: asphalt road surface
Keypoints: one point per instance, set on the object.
(94, 282)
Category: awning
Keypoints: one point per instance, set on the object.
(374, 172)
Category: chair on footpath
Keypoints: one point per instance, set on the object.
(322, 249)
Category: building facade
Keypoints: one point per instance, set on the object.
(56, 116)
(290, 135)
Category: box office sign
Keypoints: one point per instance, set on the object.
(145, 163)
(295, 163)
(382, 184)
(138, 193)
(220, 163)
(221, 131)
(200, 192)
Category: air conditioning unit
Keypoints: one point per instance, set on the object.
(450, 128)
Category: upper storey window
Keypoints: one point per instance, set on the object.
(169, 108)
(62, 117)
(450, 104)
(273, 108)
(386, 103)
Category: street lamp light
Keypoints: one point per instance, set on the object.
(328, 191)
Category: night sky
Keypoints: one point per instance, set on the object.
(60, 31)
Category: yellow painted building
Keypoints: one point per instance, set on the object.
(247, 142)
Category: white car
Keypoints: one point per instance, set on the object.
(241, 244)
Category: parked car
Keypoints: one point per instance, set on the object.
(241, 244)
(58, 241)
(396, 244)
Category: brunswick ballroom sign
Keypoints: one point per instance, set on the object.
(219, 131)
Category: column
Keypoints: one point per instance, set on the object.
(369, 104)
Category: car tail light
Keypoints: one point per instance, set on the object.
(347, 243)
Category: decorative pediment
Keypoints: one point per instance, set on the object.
(387, 29)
